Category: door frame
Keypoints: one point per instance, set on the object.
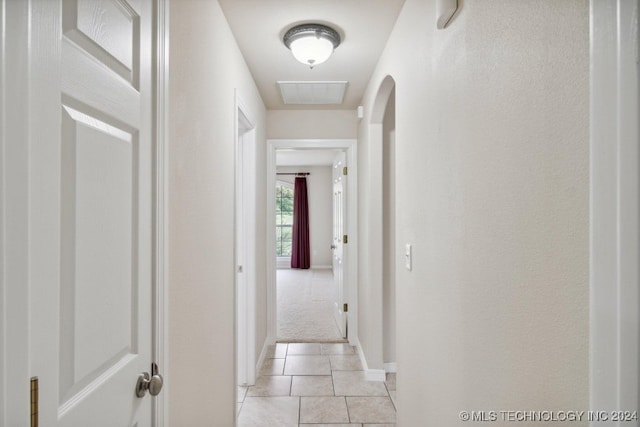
(351, 252)
(14, 174)
(375, 231)
(14, 210)
(614, 332)
(160, 291)
(245, 244)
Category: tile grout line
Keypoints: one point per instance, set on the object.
(333, 384)
(347, 406)
(389, 395)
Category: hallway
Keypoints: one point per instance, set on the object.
(490, 240)
(491, 154)
(303, 384)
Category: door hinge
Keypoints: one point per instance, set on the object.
(345, 170)
(345, 239)
(345, 307)
(34, 401)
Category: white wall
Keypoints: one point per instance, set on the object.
(320, 196)
(205, 68)
(311, 124)
(492, 191)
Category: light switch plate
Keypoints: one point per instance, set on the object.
(407, 256)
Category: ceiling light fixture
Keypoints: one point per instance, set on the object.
(311, 44)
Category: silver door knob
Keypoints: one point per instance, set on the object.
(143, 384)
(155, 385)
(151, 383)
(333, 246)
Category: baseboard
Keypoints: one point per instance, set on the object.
(375, 374)
(260, 361)
(370, 374)
(354, 342)
(390, 368)
(286, 265)
(283, 263)
(263, 354)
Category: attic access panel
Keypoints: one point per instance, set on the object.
(313, 93)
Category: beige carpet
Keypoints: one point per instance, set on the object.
(305, 306)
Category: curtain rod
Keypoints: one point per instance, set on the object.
(294, 173)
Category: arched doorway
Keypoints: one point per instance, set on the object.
(382, 246)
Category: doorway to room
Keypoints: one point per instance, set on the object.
(308, 293)
(384, 255)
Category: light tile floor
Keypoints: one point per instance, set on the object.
(319, 385)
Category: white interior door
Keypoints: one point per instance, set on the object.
(245, 248)
(91, 215)
(339, 186)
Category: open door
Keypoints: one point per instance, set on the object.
(91, 215)
(339, 240)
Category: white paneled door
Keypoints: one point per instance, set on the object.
(339, 185)
(90, 209)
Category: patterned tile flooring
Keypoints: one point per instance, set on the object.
(319, 385)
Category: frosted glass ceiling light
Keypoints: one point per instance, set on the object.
(311, 44)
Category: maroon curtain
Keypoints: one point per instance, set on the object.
(300, 253)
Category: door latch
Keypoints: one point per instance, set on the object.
(151, 383)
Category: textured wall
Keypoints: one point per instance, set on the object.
(311, 124)
(492, 191)
(205, 67)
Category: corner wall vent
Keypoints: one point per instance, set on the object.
(310, 93)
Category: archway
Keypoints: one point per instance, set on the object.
(382, 241)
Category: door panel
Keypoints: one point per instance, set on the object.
(99, 225)
(93, 219)
(109, 30)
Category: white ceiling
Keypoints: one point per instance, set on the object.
(259, 25)
(305, 157)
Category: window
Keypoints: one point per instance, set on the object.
(284, 218)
